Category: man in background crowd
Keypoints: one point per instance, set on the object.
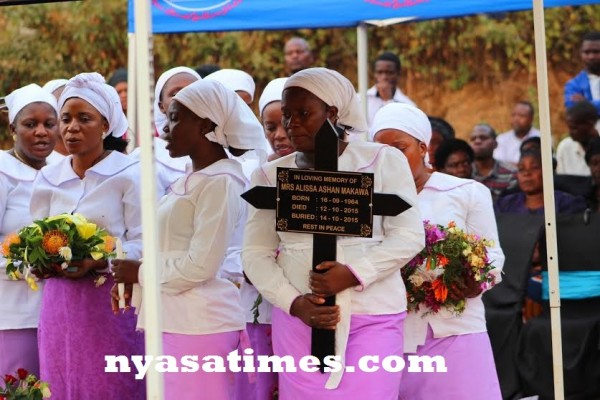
(387, 74)
(509, 142)
(298, 55)
(498, 176)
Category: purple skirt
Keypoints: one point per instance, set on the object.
(471, 371)
(370, 335)
(200, 384)
(19, 349)
(77, 329)
(264, 384)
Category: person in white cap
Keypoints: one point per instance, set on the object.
(462, 340)
(34, 124)
(370, 296)
(200, 219)
(168, 169)
(77, 327)
(269, 108)
(237, 80)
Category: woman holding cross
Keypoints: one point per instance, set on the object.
(365, 278)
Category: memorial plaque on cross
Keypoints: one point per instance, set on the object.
(327, 203)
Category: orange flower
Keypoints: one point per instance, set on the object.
(442, 261)
(109, 243)
(53, 241)
(440, 291)
(13, 238)
(451, 224)
(428, 264)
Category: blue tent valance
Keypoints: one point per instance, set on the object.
(171, 16)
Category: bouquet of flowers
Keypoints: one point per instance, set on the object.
(24, 387)
(451, 259)
(46, 247)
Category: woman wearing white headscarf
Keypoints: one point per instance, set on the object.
(199, 220)
(55, 87)
(370, 297)
(461, 340)
(237, 80)
(269, 109)
(77, 327)
(34, 124)
(168, 169)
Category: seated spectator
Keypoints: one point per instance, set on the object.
(531, 198)
(570, 153)
(498, 176)
(455, 157)
(592, 158)
(441, 130)
(521, 122)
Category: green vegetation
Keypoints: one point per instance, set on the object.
(48, 41)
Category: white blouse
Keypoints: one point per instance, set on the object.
(197, 219)
(108, 195)
(20, 306)
(168, 169)
(468, 203)
(375, 261)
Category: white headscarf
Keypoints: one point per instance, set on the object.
(54, 84)
(26, 95)
(272, 92)
(160, 119)
(403, 117)
(235, 80)
(90, 87)
(237, 126)
(335, 90)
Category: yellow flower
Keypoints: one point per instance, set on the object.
(66, 217)
(96, 255)
(467, 251)
(32, 283)
(86, 230)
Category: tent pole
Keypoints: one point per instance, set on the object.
(363, 64)
(549, 206)
(151, 299)
(131, 94)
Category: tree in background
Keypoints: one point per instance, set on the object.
(467, 70)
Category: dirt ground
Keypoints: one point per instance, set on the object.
(479, 102)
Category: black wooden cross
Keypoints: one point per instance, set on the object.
(325, 211)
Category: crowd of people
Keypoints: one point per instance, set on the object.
(229, 279)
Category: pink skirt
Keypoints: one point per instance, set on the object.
(471, 371)
(200, 385)
(19, 349)
(264, 384)
(370, 335)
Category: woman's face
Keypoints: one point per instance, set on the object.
(529, 175)
(184, 126)
(173, 85)
(303, 114)
(413, 149)
(459, 165)
(271, 121)
(82, 126)
(36, 129)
